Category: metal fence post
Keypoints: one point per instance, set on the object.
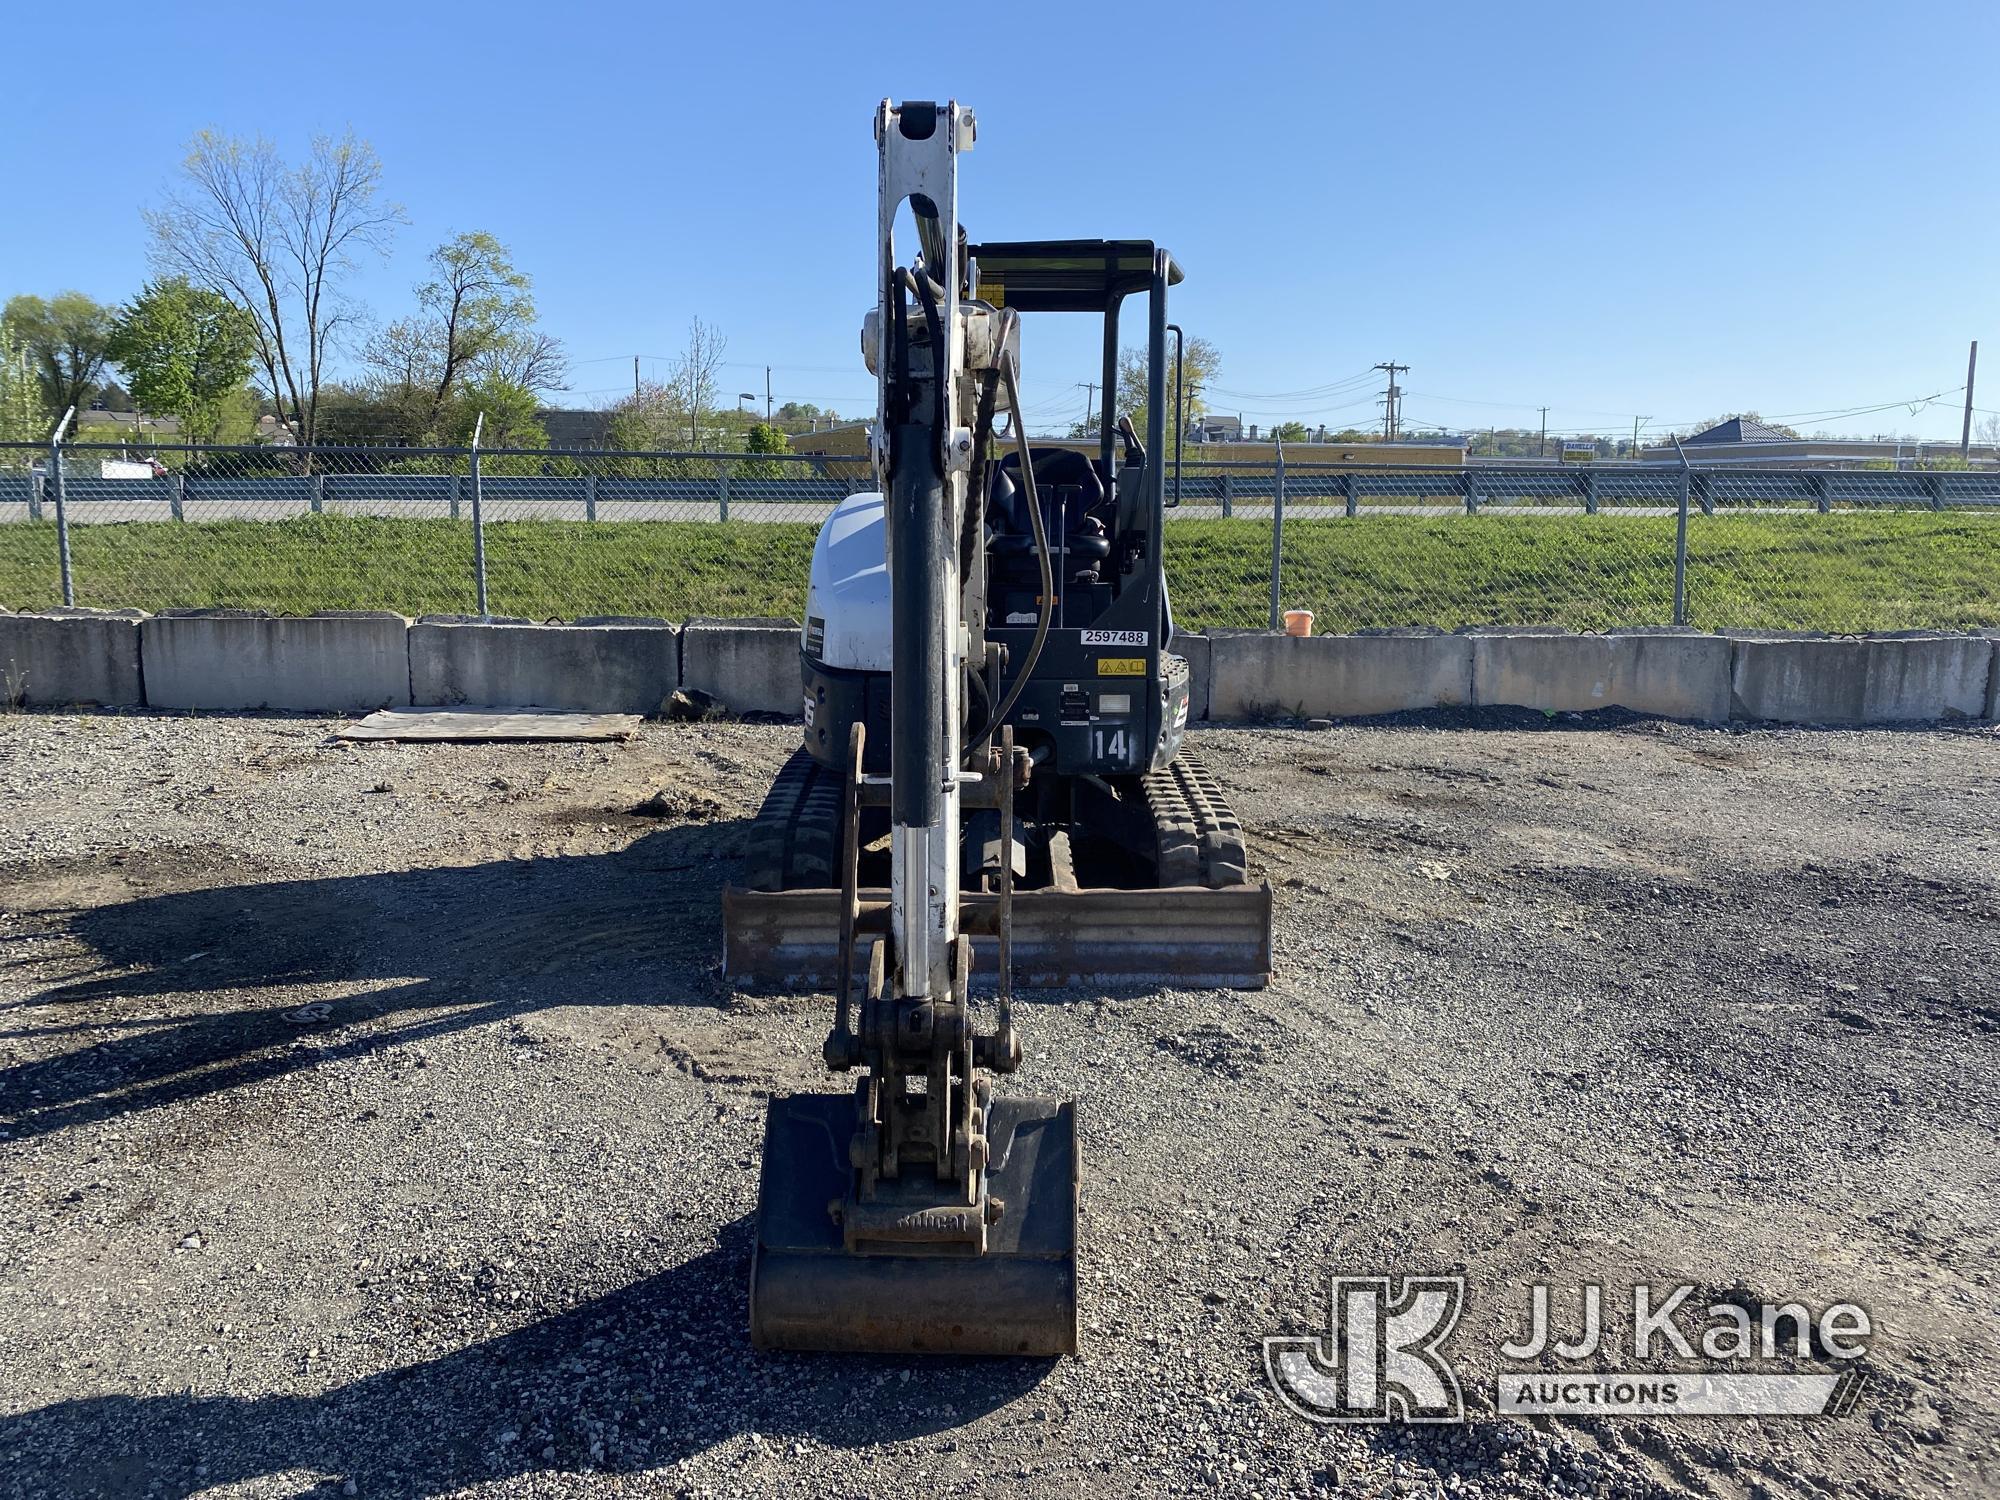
(1347, 492)
(1822, 500)
(318, 491)
(478, 520)
(62, 509)
(177, 496)
(1277, 531)
(1681, 553)
(1228, 495)
(721, 490)
(1472, 492)
(590, 497)
(1589, 492)
(454, 493)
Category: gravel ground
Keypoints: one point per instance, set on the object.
(377, 1121)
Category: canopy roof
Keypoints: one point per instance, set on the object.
(1065, 275)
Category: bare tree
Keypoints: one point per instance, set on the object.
(534, 361)
(693, 379)
(278, 241)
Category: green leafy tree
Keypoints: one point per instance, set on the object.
(473, 318)
(67, 338)
(764, 437)
(509, 410)
(187, 352)
(1200, 365)
(1292, 432)
(21, 419)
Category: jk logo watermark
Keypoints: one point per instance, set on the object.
(1380, 1361)
(1383, 1357)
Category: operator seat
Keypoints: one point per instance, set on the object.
(1060, 474)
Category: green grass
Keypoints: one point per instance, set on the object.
(1839, 572)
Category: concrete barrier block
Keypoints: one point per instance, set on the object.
(1195, 649)
(338, 662)
(1992, 674)
(1880, 680)
(1678, 674)
(750, 666)
(59, 656)
(628, 667)
(1924, 676)
(1259, 674)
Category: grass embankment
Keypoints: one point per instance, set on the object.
(1839, 572)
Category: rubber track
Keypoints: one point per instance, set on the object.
(1197, 835)
(794, 841)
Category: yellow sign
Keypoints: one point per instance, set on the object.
(1121, 666)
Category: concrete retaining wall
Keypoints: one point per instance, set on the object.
(1677, 674)
(751, 666)
(351, 662)
(630, 666)
(329, 663)
(1258, 674)
(1877, 680)
(62, 656)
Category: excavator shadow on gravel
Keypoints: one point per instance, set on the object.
(993, 781)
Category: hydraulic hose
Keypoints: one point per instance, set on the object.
(1011, 376)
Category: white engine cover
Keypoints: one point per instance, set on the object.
(847, 596)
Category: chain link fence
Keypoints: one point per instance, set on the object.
(569, 535)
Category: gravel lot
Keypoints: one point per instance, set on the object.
(377, 1121)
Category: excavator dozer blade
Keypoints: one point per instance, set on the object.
(788, 941)
(807, 1291)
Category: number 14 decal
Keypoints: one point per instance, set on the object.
(1111, 747)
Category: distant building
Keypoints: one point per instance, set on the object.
(1742, 441)
(1738, 430)
(576, 429)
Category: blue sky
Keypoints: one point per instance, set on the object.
(1617, 210)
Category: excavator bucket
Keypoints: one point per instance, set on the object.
(808, 1290)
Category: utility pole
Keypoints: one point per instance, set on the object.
(1637, 422)
(1965, 433)
(1089, 400)
(1542, 450)
(767, 395)
(1392, 413)
(635, 375)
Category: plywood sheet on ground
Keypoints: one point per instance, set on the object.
(489, 724)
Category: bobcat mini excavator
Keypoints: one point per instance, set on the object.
(992, 765)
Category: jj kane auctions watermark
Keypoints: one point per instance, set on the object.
(1383, 1356)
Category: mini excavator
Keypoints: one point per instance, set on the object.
(992, 779)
